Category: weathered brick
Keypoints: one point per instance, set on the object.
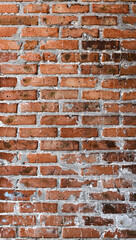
(110, 8)
(18, 20)
(59, 20)
(96, 20)
(18, 69)
(60, 145)
(75, 8)
(36, 8)
(60, 44)
(40, 32)
(9, 8)
(28, 207)
(67, 119)
(80, 232)
(58, 69)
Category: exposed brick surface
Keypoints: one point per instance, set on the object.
(67, 119)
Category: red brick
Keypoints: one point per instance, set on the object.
(128, 71)
(130, 144)
(6, 57)
(100, 120)
(39, 81)
(5, 183)
(59, 195)
(18, 120)
(119, 83)
(41, 158)
(76, 57)
(59, 145)
(116, 208)
(39, 182)
(6, 207)
(98, 94)
(56, 170)
(118, 182)
(105, 69)
(80, 233)
(119, 132)
(118, 57)
(118, 157)
(117, 33)
(17, 220)
(60, 44)
(28, 207)
(78, 132)
(81, 107)
(78, 82)
(59, 94)
(36, 8)
(96, 20)
(18, 95)
(100, 170)
(38, 132)
(100, 45)
(18, 170)
(18, 69)
(30, 45)
(100, 145)
(49, 57)
(75, 8)
(129, 20)
(9, 8)
(18, 145)
(31, 57)
(107, 196)
(9, 157)
(129, 96)
(79, 158)
(97, 221)
(9, 45)
(8, 108)
(16, 195)
(129, 120)
(18, 20)
(8, 81)
(81, 208)
(78, 32)
(7, 232)
(130, 168)
(58, 69)
(110, 8)
(39, 107)
(74, 183)
(59, 20)
(126, 107)
(8, 31)
(58, 220)
(59, 120)
(40, 32)
(129, 45)
(120, 233)
(39, 232)
(8, 132)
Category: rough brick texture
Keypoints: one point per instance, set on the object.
(67, 119)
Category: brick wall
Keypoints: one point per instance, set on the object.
(67, 119)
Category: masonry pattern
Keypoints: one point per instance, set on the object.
(67, 119)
